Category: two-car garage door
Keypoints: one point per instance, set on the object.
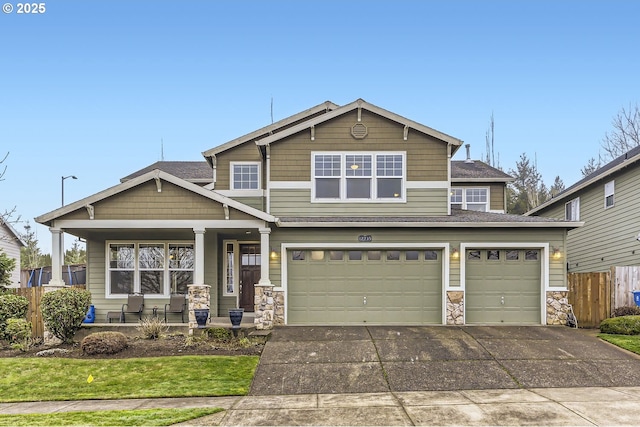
(356, 286)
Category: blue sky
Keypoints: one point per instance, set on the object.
(91, 88)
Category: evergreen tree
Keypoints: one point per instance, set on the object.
(75, 255)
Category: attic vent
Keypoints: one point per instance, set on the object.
(359, 131)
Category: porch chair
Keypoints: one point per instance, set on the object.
(134, 304)
(177, 304)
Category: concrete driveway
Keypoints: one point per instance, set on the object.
(372, 359)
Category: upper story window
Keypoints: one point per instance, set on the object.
(609, 190)
(245, 175)
(572, 210)
(358, 176)
(473, 199)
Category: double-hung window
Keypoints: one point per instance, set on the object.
(572, 210)
(358, 176)
(609, 191)
(151, 268)
(472, 198)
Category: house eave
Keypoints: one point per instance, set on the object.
(424, 224)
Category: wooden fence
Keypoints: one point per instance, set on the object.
(595, 296)
(34, 312)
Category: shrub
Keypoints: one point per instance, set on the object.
(107, 342)
(627, 311)
(63, 311)
(219, 334)
(152, 327)
(624, 325)
(19, 333)
(11, 307)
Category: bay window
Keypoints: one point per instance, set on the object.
(356, 176)
(151, 268)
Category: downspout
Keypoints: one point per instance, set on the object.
(214, 164)
(268, 179)
(449, 179)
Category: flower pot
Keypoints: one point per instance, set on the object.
(235, 315)
(202, 314)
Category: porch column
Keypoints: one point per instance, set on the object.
(265, 252)
(57, 257)
(198, 273)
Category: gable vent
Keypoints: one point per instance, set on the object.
(359, 131)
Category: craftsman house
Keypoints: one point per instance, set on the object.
(606, 201)
(337, 215)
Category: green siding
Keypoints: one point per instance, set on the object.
(420, 202)
(608, 237)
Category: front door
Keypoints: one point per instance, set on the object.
(249, 274)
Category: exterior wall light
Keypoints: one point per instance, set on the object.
(274, 254)
(556, 254)
(455, 254)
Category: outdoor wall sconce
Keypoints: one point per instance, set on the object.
(455, 254)
(274, 254)
(556, 254)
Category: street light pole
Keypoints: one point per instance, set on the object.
(63, 178)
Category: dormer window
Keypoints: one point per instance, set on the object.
(245, 175)
(358, 176)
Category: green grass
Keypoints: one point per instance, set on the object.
(138, 417)
(628, 342)
(34, 379)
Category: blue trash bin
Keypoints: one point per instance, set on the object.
(636, 297)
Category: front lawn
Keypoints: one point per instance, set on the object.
(628, 342)
(34, 379)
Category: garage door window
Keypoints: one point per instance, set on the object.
(317, 255)
(531, 255)
(513, 255)
(336, 255)
(412, 255)
(297, 255)
(393, 255)
(373, 255)
(355, 255)
(493, 255)
(473, 255)
(430, 255)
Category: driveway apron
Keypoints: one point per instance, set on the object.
(373, 359)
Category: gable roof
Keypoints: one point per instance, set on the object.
(360, 103)
(47, 218)
(272, 128)
(12, 232)
(630, 158)
(192, 171)
(465, 171)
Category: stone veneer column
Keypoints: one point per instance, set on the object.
(268, 306)
(455, 308)
(49, 338)
(558, 307)
(199, 297)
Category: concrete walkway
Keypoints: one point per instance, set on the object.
(589, 406)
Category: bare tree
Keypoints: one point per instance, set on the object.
(591, 166)
(625, 134)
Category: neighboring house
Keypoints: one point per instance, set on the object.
(337, 215)
(607, 202)
(11, 243)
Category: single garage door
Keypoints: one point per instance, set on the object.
(353, 287)
(503, 286)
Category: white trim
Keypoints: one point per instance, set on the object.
(423, 185)
(241, 193)
(155, 223)
(232, 182)
(284, 247)
(464, 196)
(290, 185)
(399, 224)
(544, 268)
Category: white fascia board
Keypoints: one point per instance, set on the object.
(155, 224)
(431, 224)
(156, 173)
(566, 196)
(328, 105)
(370, 107)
